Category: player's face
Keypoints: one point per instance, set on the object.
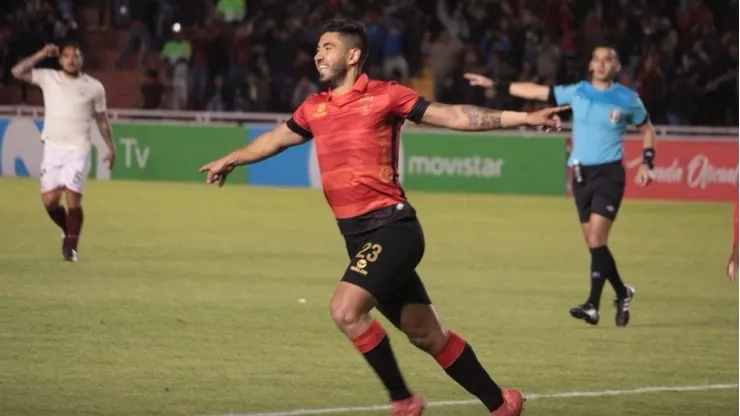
(71, 60)
(604, 64)
(333, 58)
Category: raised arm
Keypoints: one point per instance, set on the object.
(526, 90)
(22, 70)
(263, 147)
(473, 118)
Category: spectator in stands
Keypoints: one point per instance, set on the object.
(257, 93)
(393, 58)
(152, 91)
(176, 55)
(140, 36)
(233, 10)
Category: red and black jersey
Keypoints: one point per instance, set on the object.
(357, 139)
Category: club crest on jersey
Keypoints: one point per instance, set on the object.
(365, 104)
(614, 116)
(320, 110)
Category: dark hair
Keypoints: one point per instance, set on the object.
(352, 31)
(66, 45)
(606, 45)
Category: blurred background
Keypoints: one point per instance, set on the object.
(256, 55)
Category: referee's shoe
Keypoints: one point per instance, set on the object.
(590, 313)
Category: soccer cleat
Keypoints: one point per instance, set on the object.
(587, 312)
(70, 255)
(622, 316)
(413, 406)
(513, 403)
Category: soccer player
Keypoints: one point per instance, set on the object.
(356, 129)
(602, 110)
(732, 264)
(72, 100)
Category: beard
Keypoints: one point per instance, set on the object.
(74, 73)
(337, 76)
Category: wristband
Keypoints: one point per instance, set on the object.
(648, 156)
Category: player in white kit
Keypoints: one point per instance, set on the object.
(72, 101)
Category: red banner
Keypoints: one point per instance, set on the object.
(704, 169)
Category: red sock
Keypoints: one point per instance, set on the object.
(451, 351)
(59, 215)
(376, 348)
(459, 362)
(74, 227)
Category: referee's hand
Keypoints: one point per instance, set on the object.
(477, 80)
(644, 177)
(217, 171)
(547, 118)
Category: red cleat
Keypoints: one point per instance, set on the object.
(413, 406)
(513, 403)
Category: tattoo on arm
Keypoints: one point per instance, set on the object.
(482, 118)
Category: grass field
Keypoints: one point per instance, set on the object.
(185, 302)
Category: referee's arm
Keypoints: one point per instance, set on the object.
(526, 90)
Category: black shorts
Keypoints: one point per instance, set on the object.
(383, 262)
(600, 190)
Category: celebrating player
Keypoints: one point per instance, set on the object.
(356, 128)
(602, 110)
(72, 100)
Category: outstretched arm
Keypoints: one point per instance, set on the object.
(263, 147)
(526, 90)
(473, 118)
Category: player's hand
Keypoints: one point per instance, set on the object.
(50, 50)
(644, 175)
(547, 118)
(732, 265)
(476, 80)
(110, 159)
(217, 171)
(731, 270)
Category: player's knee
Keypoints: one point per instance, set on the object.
(596, 239)
(426, 339)
(343, 316)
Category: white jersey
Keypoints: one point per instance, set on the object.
(69, 106)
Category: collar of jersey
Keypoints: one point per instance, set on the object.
(359, 85)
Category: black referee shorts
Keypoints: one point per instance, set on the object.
(383, 262)
(600, 190)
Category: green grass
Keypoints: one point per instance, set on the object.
(185, 302)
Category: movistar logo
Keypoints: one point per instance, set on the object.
(472, 166)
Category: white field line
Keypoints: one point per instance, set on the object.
(565, 395)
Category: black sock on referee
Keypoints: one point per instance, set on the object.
(603, 262)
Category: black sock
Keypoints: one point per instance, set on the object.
(597, 285)
(59, 215)
(376, 348)
(459, 362)
(603, 262)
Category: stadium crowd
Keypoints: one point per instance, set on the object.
(256, 55)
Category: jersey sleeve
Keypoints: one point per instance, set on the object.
(407, 103)
(99, 101)
(298, 122)
(39, 76)
(638, 113)
(564, 93)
